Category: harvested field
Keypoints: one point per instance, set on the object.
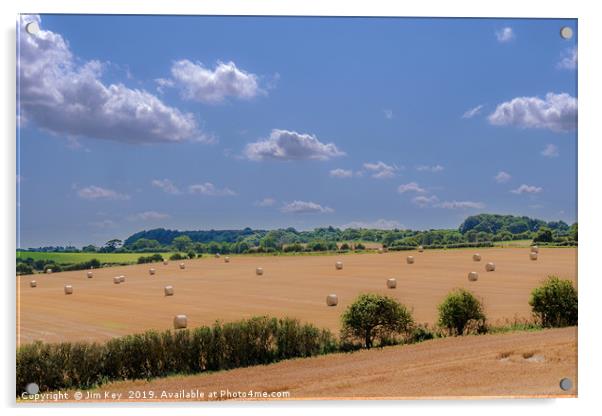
(209, 289)
(519, 364)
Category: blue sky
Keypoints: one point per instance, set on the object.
(131, 123)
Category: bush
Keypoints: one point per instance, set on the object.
(176, 256)
(360, 246)
(258, 340)
(150, 259)
(24, 268)
(191, 255)
(372, 317)
(55, 267)
(554, 303)
(421, 333)
(461, 312)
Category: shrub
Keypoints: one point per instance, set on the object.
(372, 317)
(55, 267)
(191, 255)
(24, 268)
(554, 303)
(421, 333)
(176, 256)
(461, 311)
(150, 259)
(360, 246)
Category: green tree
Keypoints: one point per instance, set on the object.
(113, 244)
(543, 235)
(458, 309)
(182, 243)
(145, 243)
(555, 303)
(373, 316)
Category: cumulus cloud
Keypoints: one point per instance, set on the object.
(505, 35)
(461, 205)
(209, 189)
(266, 202)
(551, 150)
(527, 189)
(557, 112)
(104, 224)
(341, 173)
(290, 145)
(470, 113)
(427, 168)
(502, 177)
(424, 201)
(94, 192)
(212, 86)
(149, 216)
(305, 207)
(166, 185)
(568, 59)
(380, 224)
(62, 94)
(381, 170)
(410, 187)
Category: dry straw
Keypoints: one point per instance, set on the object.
(151, 271)
(48, 271)
(410, 259)
(332, 300)
(473, 276)
(180, 321)
(476, 257)
(33, 283)
(226, 259)
(338, 265)
(217, 255)
(391, 283)
(182, 266)
(68, 289)
(165, 263)
(490, 267)
(117, 280)
(533, 255)
(420, 249)
(122, 278)
(534, 249)
(89, 274)
(259, 271)
(168, 290)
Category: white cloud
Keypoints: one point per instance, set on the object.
(198, 83)
(527, 189)
(381, 170)
(208, 189)
(290, 145)
(568, 59)
(266, 202)
(104, 224)
(341, 173)
(388, 114)
(62, 94)
(305, 207)
(424, 201)
(505, 34)
(96, 192)
(551, 150)
(470, 113)
(427, 168)
(166, 185)
(502, 177)
(149, 216)
(410, 187)
(380, 224)
(461, 205)
(557, 112)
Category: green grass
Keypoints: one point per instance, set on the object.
(514, 243)
(70, 258)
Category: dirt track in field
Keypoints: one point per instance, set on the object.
(519, 364)
(296, 286)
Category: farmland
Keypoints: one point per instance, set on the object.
(69, 258)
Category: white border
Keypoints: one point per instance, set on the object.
(590, 30)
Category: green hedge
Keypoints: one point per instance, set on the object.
(259, 340)
(443, 246)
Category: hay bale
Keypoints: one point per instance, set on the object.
(476, 257)
(117, 280)
(381, 250)
(217, 255)
(122, 278)
(332, 300)
(151, 271)
(259, 271)
(68, 290)
(534, 249)
(48, 271)
(490, 267)
(89, 274)
(473, 276)
(420, 249)
(391, 283)
(180, 321)
(410, 259)
(338, 265)
(182, 266)
(533, 255)
(165, 263)
(33, 283)
(168, 290)
(226, 259)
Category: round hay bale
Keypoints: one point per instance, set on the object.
(48, 271)
(151, 271)
(259, 271)
(182, 266)
(533, 255)
(473, 276)
(534, 249)
(117, 280)
(180, 321)
(68, 290)
(490, 267)
(332, 300)
(217, 255)
(476, 257)
(165, 263)
(381, 250)
(89, 274)
(420, 249)
(226, 259)
(391, 283)
(410, 259)
(33, 283)
(168, 290)
(338, 265)
(122, 278)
